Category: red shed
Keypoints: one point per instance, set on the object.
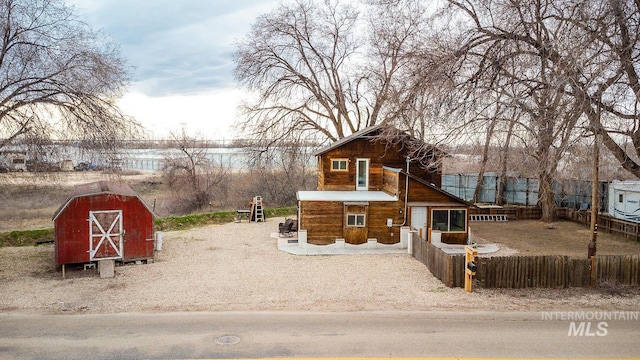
(103, 220)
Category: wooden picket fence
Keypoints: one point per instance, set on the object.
(533, 271)
(557, 271)
(617, 269)
(447, 268)
(530, 271)
(514, 212)
(608, 224)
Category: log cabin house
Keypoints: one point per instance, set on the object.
(368, 190)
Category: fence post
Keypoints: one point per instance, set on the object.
(470, 267)
(592, 271)
(405, 238)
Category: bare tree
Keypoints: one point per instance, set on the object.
(504, 163)
(504, 48)
(589, 66)
(193, 176)
(277, 172)
(57, 74)
(484, 160)
(320, 67)
(607, 75)
(421, 91)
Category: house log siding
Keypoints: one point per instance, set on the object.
(320, 174)
(323, 220)
(379, 213)
(378, 155)
(454, 238)
(326, 221)
(419, 192)
(390, 181)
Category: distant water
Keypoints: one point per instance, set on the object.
(153, 159)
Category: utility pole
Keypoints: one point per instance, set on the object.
(594, 189)
(595, 185)
(594, 202)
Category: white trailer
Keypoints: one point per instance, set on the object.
(624, 200)
(14, 160)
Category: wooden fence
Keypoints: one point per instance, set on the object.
(611, 225)
(512, 212)
(533, 271)
(606, 223)
(530, 271)
(447, 268)
(557, 271)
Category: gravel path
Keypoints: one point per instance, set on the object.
(238, 267)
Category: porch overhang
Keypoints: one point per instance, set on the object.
(346, 196)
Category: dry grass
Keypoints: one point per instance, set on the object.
(237, 267)
(28, 201)
(533, 237)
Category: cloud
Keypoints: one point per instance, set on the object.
(210, 114)
(176, 47)
(182, 55)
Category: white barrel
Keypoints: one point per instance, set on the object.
(158, 240)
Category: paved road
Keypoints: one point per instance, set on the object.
(285, 334)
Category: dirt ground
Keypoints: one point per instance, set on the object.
(29, 200)
(237, 266)
(533, 237)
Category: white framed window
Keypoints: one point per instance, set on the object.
(620, 198)
(356, 220)
(339, 164)
(449, 220)
(362, 174)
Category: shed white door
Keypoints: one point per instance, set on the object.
(105, 235)
(419, 220)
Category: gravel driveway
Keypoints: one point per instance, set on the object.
(237, 266)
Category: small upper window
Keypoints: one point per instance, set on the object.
(620, 198)
(339, 165)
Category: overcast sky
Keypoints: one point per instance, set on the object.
(181, 52)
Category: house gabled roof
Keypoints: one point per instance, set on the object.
(432, 186)
(356, 135)
(369, 133)
(97, 188)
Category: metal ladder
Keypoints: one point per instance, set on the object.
(257, 212)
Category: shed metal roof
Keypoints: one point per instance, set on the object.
(100, 187)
